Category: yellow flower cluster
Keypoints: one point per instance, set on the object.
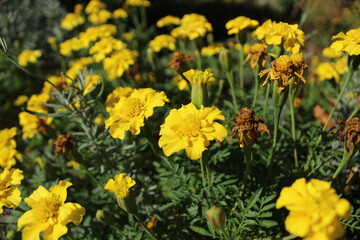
(119, 62)
(167, 21)
(28, 56)
(332, 70)
(119, 13)
(72, 20)
(287, 35)
(236, 25)
(138, 3)
(104, 47)
(129, 113)
(84, 39)
(315, 209)
(212, 49)
(120, 185)
(99, 17)
(9, 193)
(191, 129)
(49, 213)
(94, 6)
(8, 152)
(348, 42)
(192, 26)
(163, 41)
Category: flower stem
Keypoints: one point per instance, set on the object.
(202, 171)
(248, 159)
(241, 69)
(293, 126)
(225, 233)
(356, 110)
(197, 54)
(256, 76)
(344, 160)
(144, 226)
(230, 78)
(267, 94)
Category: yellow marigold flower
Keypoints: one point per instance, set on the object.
(53, 42)
(8, 157)
(104, 47)
(99, 120)
(212, 49)
(332, 70)
(280, 33)
(130, 112)
(114, 97)
(180, 82)
(197, 77)
(163, 41)
(7, 137)
(119, 62)
(120, 13)
(192, 26)
(9, 193)
(94, 6)
(71, 20)
(78, 8)
(99, 17)
(138, 3)
(28, 56)
(20, 100)
(128, 36)
(167, 21)
(49, 213)
(348, 42)
(191, 129)
(120, 185)
(331, 53)
(59, 81)
(32, 124)
(73, 164)
(238, 24)
(283, 69)
(315, 209)
(37, 101)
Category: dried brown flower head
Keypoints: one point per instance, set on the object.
(178, 61)
(64, 144)
(351, 134)
(257, 55)
(248, 126)
(283, 69)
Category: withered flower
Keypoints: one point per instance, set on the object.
(257, 55)
(248, 126)
(178, 61)
(64, 144)
(351, 134)
(283, 69)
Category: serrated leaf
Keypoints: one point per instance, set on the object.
(201, 231)
(268, 207)
(268, 223)
(254, 198)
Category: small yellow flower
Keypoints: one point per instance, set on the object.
(20, 100)
(28, 56)
(72, 20)
(332, 70)
(128, 36)
(315, 209)
(120, 185)
(212, 49)
(180, 82)
(191, 129)
(331, 53)
(163, 41)
(73, 164)
(348, 42)
(119, 13)
(9, 193)
(99, 17)
(197, 77)
(114, 97)
(192, 26)
(78, 8)
(130, 112)
(94, 6)
(32, 124)
(239, 24)
(99, 120)
(138, 3)
(167, 21)
(119, 62)
(40, 162)
(53, 42)
(104, 47)
(49, 213)
(8, 150)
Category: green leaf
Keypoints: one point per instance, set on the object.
(268, 223)
(201, 231)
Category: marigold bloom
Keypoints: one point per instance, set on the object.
(280, 33)
(119, 62)
(20, 100)
(49, 213)
(99, 17)
(257, 55)
(348, 42)
(94, 6)
(331, 53)
(119, 13)
(314, 210)
(167, 21)
(238, 24)
(77, 65)
(283, 69)
(7, 137)
(90, 82)
(32, 124)
(138, 3)
(212, 49)
(332, 70)
(197, 77)
(130, 112)
(192, 26)
(163, 41)
(72, 20)
(104, 47)
(28, 56)
(120, 185)
(8, 150)
(191, 129)
(180, 82)
(114, 97)
(78, 8)
(247, 126)
(9, 193)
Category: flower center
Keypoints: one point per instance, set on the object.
(188, 127)
(133, 107)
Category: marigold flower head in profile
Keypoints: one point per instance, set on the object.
(138, 3)
(348, 42)
(163, 41)
(191, 129)
(28, 56)
(167, 21)
(119, 62)
(32, 124)
(212, 49)
(283, 69)
(94, 6)
(71, 21)
(257, 55)
(120, 13)
(287, 35)
(178, 61)
(114, 97)
(239, 24)
(247, 126)
(120, 185)
(315, 209)
(9, 193)
(130, 112)
(49, 213)
(8, 150)
(192, 26)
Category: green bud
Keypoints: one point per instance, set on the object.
(216, 217)
(225, 59)
(128, 203)
(104, 216)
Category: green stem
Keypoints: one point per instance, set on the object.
(144, 226)
(202, 171)
(218, 92)
(198, 55)
(256, 77)
(293, 126)
(208, 176)
(225, 233)
(230, 78)
(349, 75)
(248, 158)
(91, 176)
(356, 110)
(267, 94)
(135, 19)
(241, 69)
(116, 228)
(143, 17)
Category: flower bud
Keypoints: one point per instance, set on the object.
(225, 59)
(104, 216)
(216, 217)
(128, 203)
